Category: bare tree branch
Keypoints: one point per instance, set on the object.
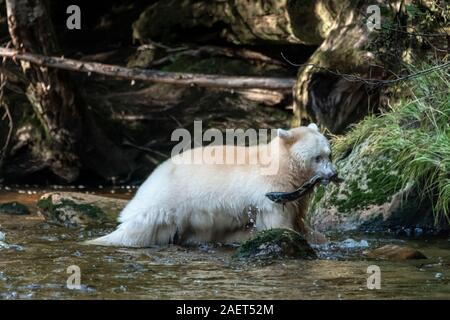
(176, 78)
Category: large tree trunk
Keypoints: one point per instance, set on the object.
(50, 91)
(241, 22)
(71, 139)
(322, 94)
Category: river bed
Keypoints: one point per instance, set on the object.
(34, 265)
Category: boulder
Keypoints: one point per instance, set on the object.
(78, 209)
(371, 199)
(14, 208)
(275, 244)
(394, 252)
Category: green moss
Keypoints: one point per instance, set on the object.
(318, 195)
(89, 210)
(14, 208)
(408, 146)
(45, 204)
(69, 212)
(380, 187)
(275, 244)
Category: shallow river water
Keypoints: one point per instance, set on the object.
(34, 266)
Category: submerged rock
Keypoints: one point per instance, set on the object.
(394, 252)
(276, 244)
(79, 209)
(350, 244)
(439, 275)
(14, 208)
(5, 245)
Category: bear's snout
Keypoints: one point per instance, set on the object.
(333, 172)
(329, 171)
(328, 174)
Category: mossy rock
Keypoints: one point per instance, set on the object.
(360, 197)
(14, 208)
(275, 244)
(371, 198)
(78, 209)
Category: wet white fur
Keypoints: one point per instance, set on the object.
(206, 203)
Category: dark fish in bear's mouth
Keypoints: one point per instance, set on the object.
(283, 197)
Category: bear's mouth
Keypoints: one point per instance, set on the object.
(335, 179)
(284, 197)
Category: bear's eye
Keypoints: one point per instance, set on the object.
(318, 158)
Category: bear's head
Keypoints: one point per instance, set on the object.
(309, 152)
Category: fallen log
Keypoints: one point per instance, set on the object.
(176, 78)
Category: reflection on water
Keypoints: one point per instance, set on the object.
(37, 268)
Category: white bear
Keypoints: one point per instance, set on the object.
(197, 203)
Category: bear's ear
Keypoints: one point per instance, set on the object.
(313, 126)
(284, 134)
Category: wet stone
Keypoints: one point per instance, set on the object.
(275, 244)
(14, 208)
(77, 209)
(6, 246)
(351, 244)
(395, 252)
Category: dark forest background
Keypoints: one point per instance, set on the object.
(92, 128)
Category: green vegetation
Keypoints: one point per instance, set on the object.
(414, 136)
(70, 213)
